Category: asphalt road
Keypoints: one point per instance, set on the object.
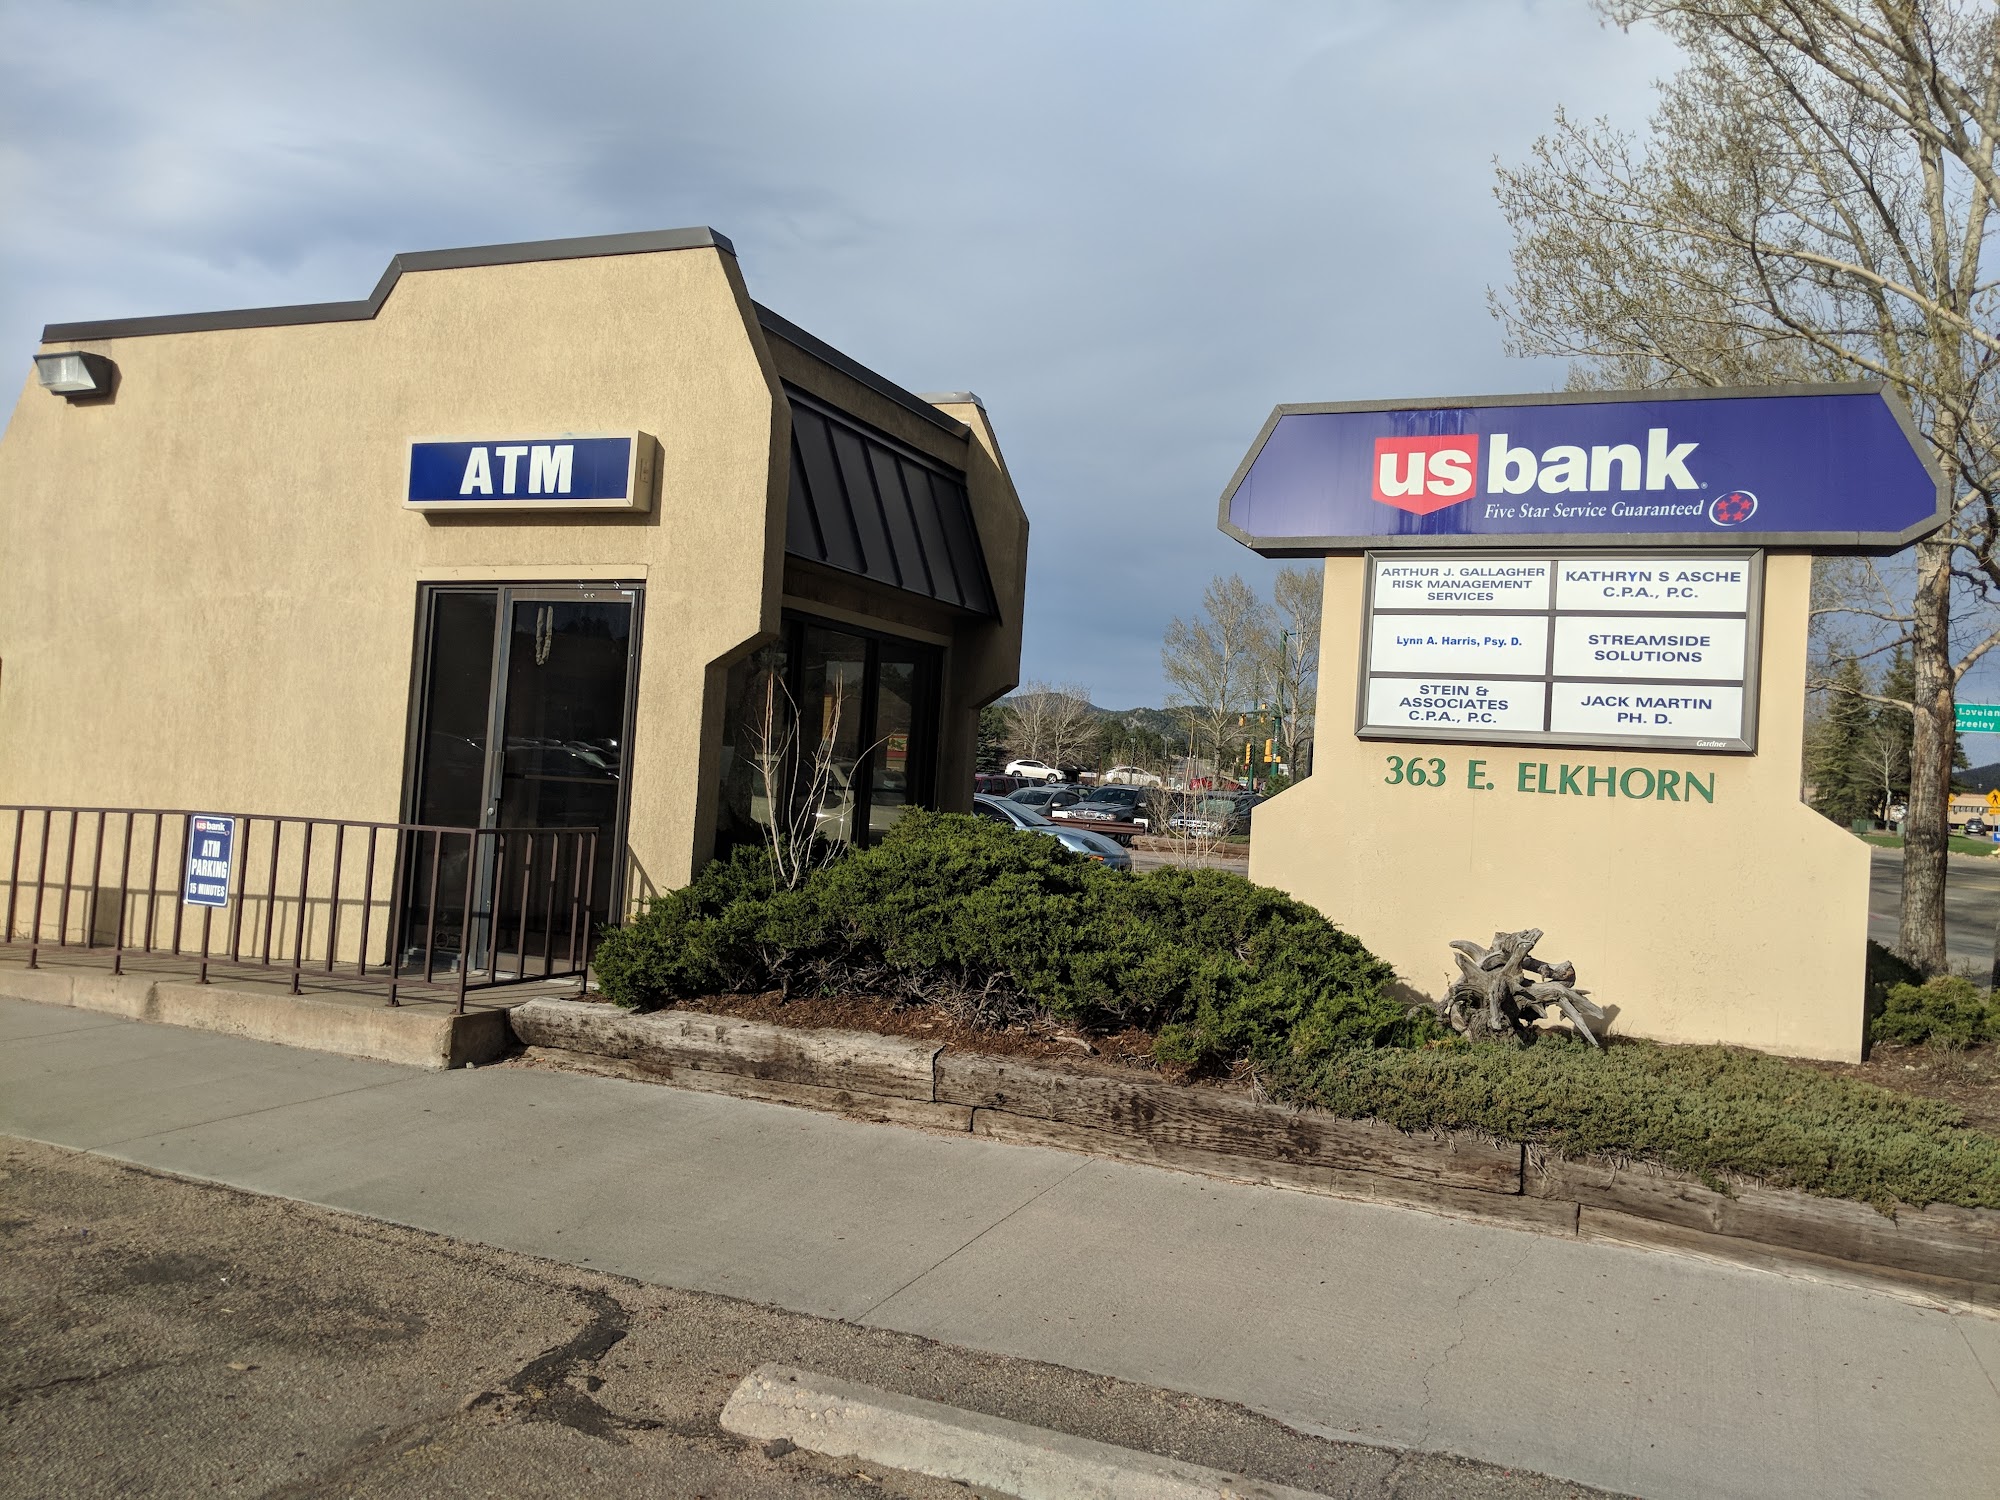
(165, 1337)
(1971, 907)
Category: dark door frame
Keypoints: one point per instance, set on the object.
(506, 593)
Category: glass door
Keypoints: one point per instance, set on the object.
(523, 714)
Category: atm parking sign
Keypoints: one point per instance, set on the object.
(210, 856)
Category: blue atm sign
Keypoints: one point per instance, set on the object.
(211, 850)
(532, 473)
(1830, 468)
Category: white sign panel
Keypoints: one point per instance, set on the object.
(1603, 648)
(1602, 710)
(1625, 647)
(1473, 644)
(1415, 703)
(1679, 585)
(1462, 584)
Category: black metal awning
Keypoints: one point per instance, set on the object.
(866, 504)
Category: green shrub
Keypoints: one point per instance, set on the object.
(1949, 1011)
(954, 910)
(1703, 1110)
(957, 912)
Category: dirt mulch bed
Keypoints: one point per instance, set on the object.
(1969, 1078)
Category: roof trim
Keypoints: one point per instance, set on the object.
(819, 349)
(582, 248)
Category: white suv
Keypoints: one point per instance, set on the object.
(1128, 776)
(1033, 770)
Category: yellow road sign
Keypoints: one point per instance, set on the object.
(1993, 799)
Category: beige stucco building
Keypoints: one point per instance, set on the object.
(216, 592)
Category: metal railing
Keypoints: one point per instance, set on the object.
(393, 904)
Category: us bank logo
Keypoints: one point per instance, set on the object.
(1425, 474)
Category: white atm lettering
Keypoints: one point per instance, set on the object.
(478, 474)
(510, 455)
(549, 468)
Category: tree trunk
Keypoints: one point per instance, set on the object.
(1931, 742)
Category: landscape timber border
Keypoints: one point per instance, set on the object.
(1948, 1252)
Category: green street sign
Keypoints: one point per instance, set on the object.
(1979, 718)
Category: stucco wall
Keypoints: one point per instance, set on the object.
(208, 584)
(1743, 921)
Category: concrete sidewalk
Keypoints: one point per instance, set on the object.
(1629, 1370)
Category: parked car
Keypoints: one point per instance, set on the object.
(1048, 798)
(1217, 817)
(1975, 828)
(1113, 804)
(1128, 776)
(1034, 770)
(993, 784)
(1025, 819)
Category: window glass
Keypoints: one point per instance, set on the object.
(835, 724)
(458, 687)
(896, 701)
(833, 667)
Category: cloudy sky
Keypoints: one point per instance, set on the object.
(1132, 227)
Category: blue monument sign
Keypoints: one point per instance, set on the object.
(1833, 468)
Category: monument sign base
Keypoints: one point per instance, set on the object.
(1698, 896)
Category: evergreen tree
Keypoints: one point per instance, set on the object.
(1843, 786)
(996, 726)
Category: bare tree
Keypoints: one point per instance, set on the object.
(1294, 670)
(1186, 830)
(795, 783)
(1883, 754)
(1216, 663)
(1811, 201)
(1056, 725)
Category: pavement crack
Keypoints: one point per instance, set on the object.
(243, 1114)
(21, 1393)
(1437, 1360)
(543, 1385)
(1973, 1349)
(961, 1249)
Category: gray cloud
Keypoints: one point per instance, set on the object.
(1132, 228)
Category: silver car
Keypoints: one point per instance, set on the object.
(1017, 815)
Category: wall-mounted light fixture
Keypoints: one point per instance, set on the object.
(75, 375)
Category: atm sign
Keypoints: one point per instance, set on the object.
(565, 472)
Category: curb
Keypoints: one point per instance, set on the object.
(845, 1420)
(1942, 1251)
(417, 1036)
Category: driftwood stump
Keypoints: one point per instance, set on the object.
(1503, 988)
